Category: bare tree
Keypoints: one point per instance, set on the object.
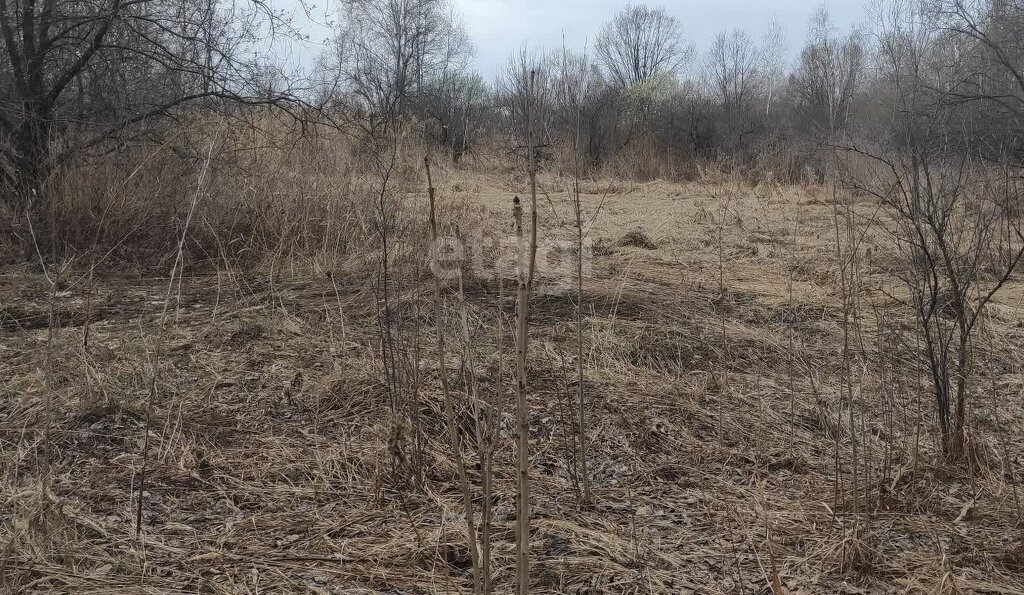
(577, 91)
(734, 71)
(828, 75)
(640, 43)
(75, 74)
(527, 90)
(387, 50)
(952, 223)
(452, 109)
(773, 61)
(987, 54)
(957, 223)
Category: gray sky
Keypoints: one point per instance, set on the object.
(499, 27)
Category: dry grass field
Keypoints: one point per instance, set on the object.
(723, 457)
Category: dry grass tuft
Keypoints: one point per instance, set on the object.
(636, 239)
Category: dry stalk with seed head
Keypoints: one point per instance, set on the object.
(522, 414)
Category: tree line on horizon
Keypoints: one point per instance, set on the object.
(95, 76)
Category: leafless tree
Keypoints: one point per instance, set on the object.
(453, 109)
(987, 54)
(576, 84)
(828, 75)
(957, 215)
(640, 43)
(773, 61)
(387, 50)
(75, 74)
(735, 73)
(519, 98)
(953, 223)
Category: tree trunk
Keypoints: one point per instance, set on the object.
(30, 163)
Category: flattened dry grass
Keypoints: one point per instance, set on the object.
(270, 469)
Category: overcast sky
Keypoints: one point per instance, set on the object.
(499, 27)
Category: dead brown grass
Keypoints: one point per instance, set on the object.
(259, 483)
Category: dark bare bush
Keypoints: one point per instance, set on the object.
(954, 201)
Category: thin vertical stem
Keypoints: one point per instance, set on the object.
(449, 410)
(532, 168)
(523, 414)
(578, 211)
(493, 431)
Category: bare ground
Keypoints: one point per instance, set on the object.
(714, 460)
